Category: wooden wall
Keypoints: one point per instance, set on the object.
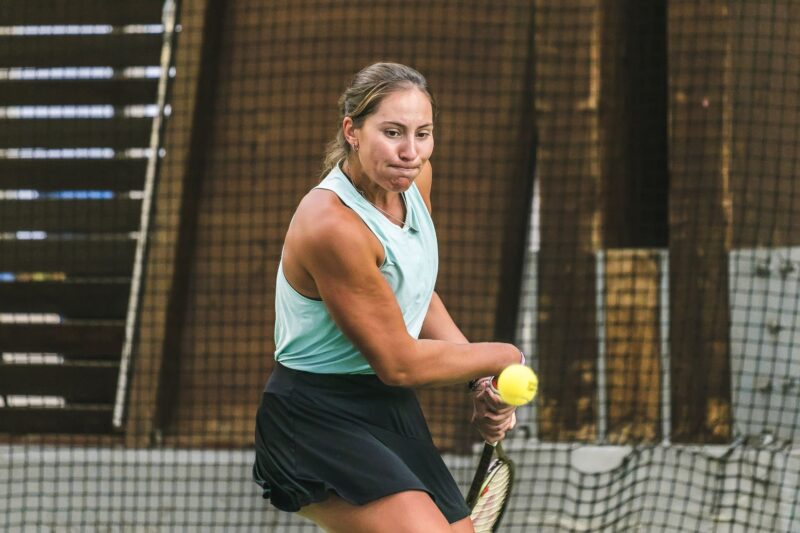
(650, 126)
(280, 68)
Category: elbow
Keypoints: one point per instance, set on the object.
(396, 377)
(397, 372)
(396, 365)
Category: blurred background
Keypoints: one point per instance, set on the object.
(616, 191)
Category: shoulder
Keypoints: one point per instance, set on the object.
(323, 227)
(424, 183)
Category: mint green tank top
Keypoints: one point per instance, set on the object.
(307, 338)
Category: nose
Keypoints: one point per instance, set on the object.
(408, 149)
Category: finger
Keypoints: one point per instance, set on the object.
(493, 399)
(494, 403)
(494, 418)
(493, 436)
(513, 421)
(497, 436)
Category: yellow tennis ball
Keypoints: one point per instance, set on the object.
(517, 384)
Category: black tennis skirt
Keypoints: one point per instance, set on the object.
(351, 435)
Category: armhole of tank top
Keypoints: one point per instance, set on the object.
(295, 291)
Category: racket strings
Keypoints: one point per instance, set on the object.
(492, 497)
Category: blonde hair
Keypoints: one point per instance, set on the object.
(362, 98)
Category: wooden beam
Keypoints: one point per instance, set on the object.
(63, 12)
(82, 419)
(78, 257)
(76, 381)
(72, 299)
(519, 179)
(567, 63)
(633, 345)
(106, 50)
(765, 186)
(67, 216)
(700, 219)
(86, 339)
(117, 92)
(183, 140)
(72, 174)
(633, 121)
(117, 132)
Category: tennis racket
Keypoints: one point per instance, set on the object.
(491, 488)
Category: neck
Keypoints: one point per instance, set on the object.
(380, 198)
(373, 193)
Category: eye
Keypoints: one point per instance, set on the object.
(392, 133)
(424, 134)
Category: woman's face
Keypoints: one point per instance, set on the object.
(397, 140)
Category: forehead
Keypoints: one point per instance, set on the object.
(406, 106)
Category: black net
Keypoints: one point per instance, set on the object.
(614, 191)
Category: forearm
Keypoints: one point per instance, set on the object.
(439, 325)
(435, 363)
(441, 356)
(439, 362)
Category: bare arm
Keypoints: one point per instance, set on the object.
(491, 416)
(337, 250)
(439, 324)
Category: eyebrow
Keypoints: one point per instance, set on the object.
(398, 124)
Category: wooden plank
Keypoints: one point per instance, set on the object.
(62, 12)
(64, 216)
(109, 440)
(116, 92)
(72, 174)
(112, 50)
(766, 124)
(567, 62)
(72, 419)
(85, 339)
(78, 299)
(633, 345)
(634, 118)
(700, 219)
(76, 257)
(118, 132)
(75, 381)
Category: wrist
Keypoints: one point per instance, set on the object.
(473, 384)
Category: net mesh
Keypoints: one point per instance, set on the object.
(615, 191)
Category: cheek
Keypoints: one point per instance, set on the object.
(381, 150)
(429, 149)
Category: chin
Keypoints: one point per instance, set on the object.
(402, 183)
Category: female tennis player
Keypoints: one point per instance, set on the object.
(340, 437)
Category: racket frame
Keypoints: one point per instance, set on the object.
(478, 479)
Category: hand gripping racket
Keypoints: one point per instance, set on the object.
(491, 488)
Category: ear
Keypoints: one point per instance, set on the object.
(349, 130)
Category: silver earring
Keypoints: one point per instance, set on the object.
(355, 147)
